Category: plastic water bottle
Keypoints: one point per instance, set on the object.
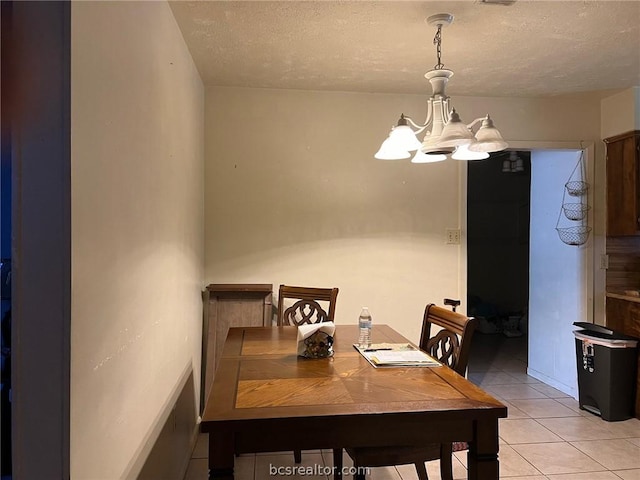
(364, 322)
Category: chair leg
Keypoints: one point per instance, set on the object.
(446, 469)
(421, 470)
(337, 464)
(297, 456)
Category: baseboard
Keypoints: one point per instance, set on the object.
(572, 391)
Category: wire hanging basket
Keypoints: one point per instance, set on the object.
(575, 211)
(576, 188)
(577, 235)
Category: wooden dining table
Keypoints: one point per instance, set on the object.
(265, 398)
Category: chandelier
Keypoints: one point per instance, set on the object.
(444, 133)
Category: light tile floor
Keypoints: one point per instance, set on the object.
(546, 435)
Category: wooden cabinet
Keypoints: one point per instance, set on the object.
(624, 316)
(623, 184)
(230, 305)
(623, 272)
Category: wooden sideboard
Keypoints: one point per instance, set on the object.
(230, 305)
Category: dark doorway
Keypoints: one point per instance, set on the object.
(36, 108)
(5, 241)
(498, 195)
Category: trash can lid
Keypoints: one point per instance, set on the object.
(592, 327)
(603, 336)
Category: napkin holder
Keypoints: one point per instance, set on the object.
(316, 340)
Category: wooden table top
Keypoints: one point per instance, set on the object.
(260, 377)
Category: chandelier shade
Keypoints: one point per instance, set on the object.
(455, 132)
(421, 157)
(403, 138)
(444, 134)
(488, 138)
(430, 146)
(463, 153)
(389, 151)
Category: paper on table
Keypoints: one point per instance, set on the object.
(396, 355)
(305, 331)
(403, 357)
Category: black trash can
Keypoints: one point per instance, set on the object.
(607, 363)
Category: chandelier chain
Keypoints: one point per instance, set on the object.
(437, 41)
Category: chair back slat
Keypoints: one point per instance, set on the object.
(450, 345)
(306, 308)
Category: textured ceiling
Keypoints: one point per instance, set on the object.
(529, 48)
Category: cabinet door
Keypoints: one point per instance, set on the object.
(623, 203)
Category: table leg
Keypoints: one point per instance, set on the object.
(337, 463)
(221, 457)
(482, 459)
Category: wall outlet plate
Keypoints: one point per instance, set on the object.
(453, 236)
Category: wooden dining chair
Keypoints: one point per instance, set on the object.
(450, 345)
(300, 305)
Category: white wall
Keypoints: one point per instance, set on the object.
(294, 195)
(137, 230)
(621, 112)
(557, 285)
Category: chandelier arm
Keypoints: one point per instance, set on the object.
(418, 127)
(473, 123)
(429, 118)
